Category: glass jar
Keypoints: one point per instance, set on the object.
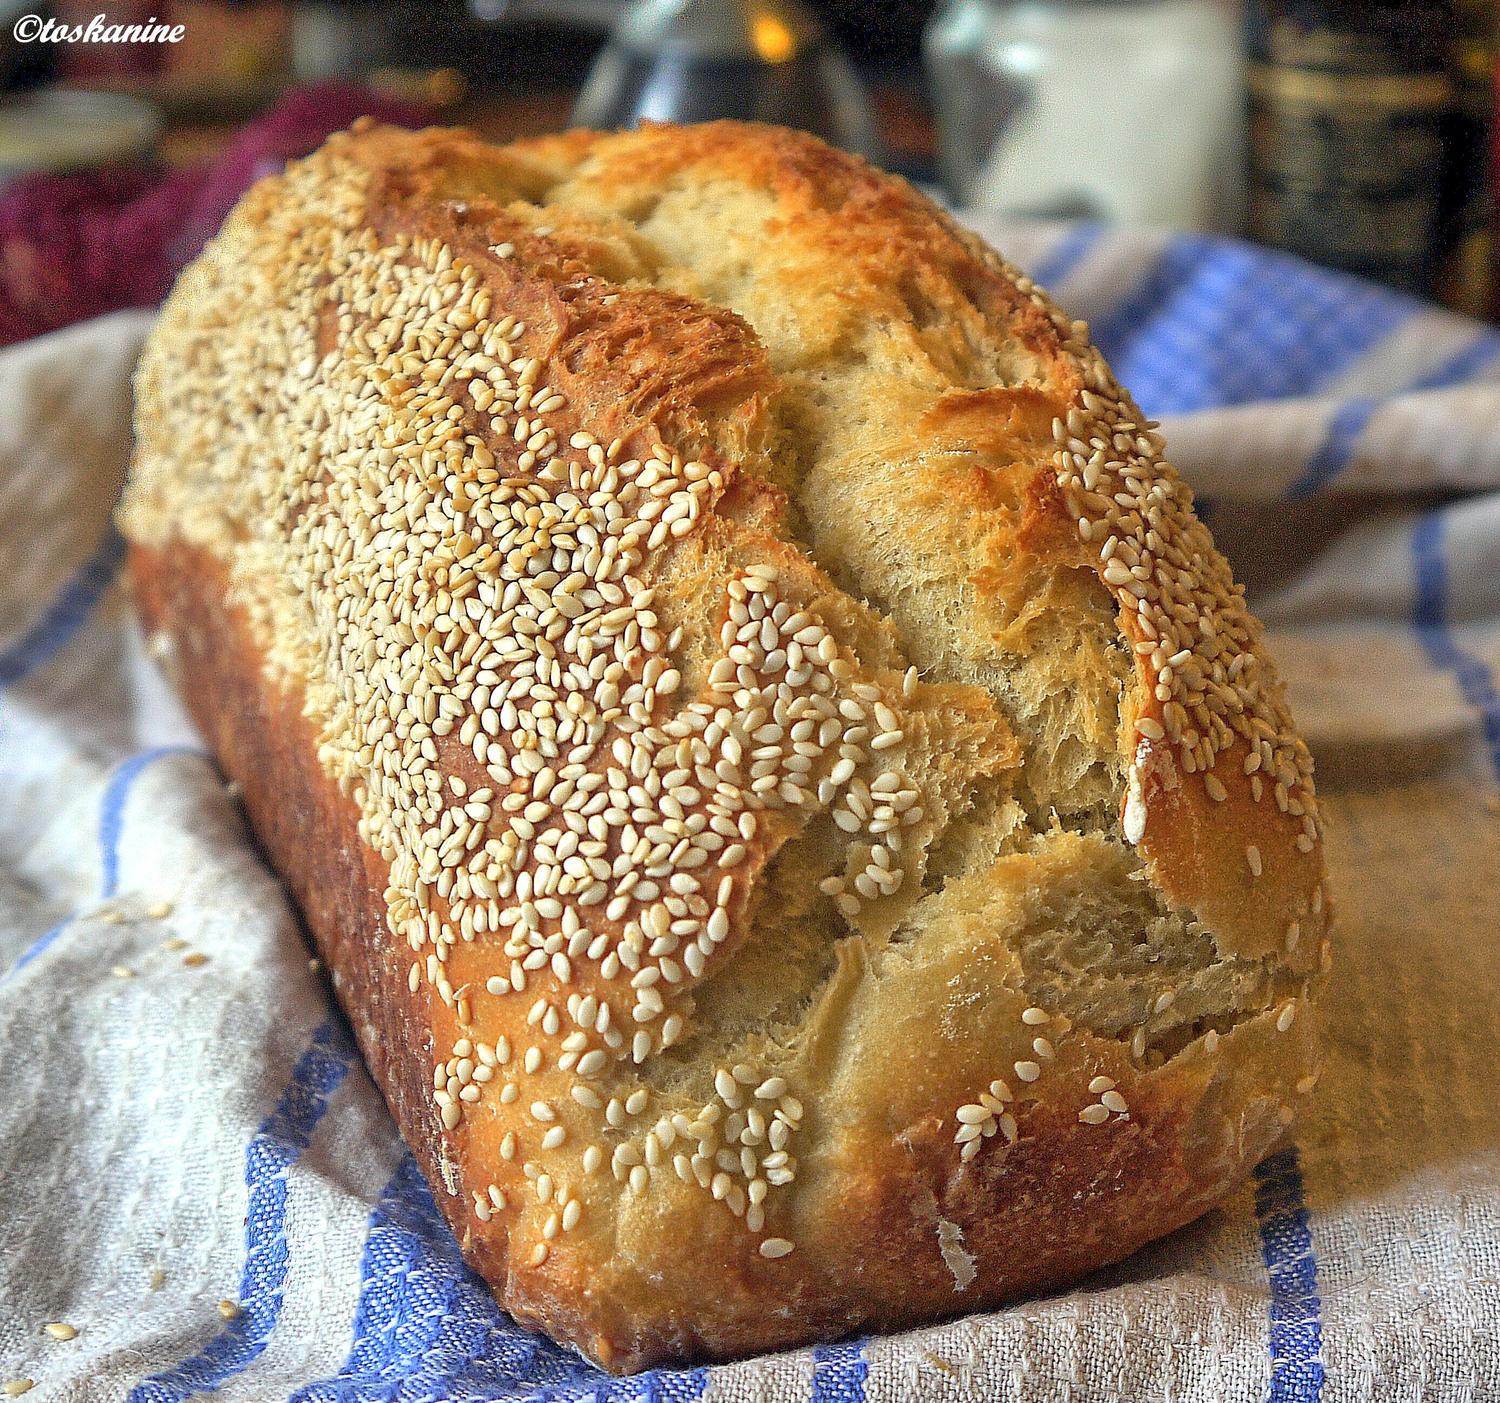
(1124, 110)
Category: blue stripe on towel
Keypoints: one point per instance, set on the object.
(269, 1158)
(66, 615)
(1286, 1245)
(1475, 679)
(427, 1327)
(839, 1372)
(1352, 418)
(111, 823)
(1217, 323)
(112, 810)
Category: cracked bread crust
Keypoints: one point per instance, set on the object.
(769, 756)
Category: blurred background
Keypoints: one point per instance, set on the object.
(1353, 133)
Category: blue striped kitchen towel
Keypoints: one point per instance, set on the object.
(183, 1122)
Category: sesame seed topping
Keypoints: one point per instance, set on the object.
(775, 1247)
(61, 1330)
(1196, 645)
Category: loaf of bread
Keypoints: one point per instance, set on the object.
(793, 804)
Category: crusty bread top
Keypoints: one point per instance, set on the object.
(693, 551)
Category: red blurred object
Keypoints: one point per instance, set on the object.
(80, 244)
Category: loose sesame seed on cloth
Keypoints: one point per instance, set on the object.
(201, 1191)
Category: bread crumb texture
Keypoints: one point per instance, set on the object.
(845, 836)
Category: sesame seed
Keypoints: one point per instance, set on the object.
(1028, 1071)
(774, 1247)
(1094, 1115)
(61, 1330)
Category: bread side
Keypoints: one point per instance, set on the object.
(801, 780)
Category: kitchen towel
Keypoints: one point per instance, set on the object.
(197, 1176)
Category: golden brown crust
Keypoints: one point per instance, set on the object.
(1037, 996)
